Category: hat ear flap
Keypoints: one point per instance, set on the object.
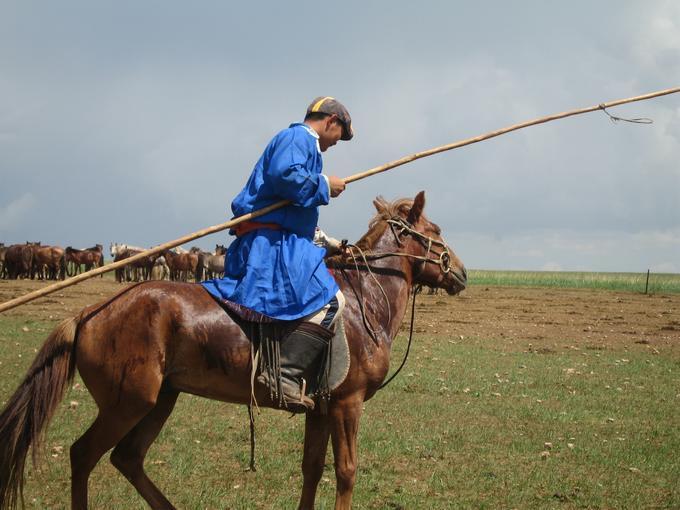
(417, 209)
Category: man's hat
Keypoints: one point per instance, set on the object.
(331, 106)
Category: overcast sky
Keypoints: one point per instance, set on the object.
(138, 122)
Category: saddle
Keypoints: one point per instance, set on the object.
(265, 333)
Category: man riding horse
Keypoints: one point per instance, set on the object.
(273, 267)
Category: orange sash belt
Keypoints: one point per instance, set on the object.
(248, 226)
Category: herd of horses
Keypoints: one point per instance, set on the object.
(33, 260)
(177, 264)
(37, 261)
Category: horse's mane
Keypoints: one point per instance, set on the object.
(385, 211)
(377, 225)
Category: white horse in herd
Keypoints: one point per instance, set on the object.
(160, 270)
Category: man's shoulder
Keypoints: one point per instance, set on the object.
(299, 129)
(297, 133)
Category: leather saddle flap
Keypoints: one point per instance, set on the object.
(339, 358)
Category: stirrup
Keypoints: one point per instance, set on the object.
(301, 405)
(293, 400)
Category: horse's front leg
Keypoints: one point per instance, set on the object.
(314, 457)
(344, 429)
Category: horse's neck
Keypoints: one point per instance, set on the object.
(387, 286)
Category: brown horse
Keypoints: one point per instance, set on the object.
(49, 262)
(140, 270)
(89, 257)
(181, 265)
(19, 261)
(137, 351)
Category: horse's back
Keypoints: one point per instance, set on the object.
(155, 333)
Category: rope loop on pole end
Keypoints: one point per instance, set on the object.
(615, 119)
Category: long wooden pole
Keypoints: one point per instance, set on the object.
(12, 303)
(515, 127)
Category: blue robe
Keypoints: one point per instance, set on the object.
(281, 273)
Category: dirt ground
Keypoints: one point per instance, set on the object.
(549, 319)
(541, 319)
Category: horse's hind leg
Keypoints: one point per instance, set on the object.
(109, 427)
(128, 456)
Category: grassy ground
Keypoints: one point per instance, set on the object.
(495, 429)
(633, 282)
(481, 417)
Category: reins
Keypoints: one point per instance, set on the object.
(367, 325)
(416, 290)
(364, 317)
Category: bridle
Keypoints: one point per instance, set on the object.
(401, 227)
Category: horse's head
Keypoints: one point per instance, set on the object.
(434, 262)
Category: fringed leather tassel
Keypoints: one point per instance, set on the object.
(251, 415)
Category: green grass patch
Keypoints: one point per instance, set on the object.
(475, 423)
(633, 282)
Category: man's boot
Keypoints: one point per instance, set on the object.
(300, 355)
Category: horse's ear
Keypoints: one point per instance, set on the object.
(417, 208)
(379, 204)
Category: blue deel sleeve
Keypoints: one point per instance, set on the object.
(290, 173)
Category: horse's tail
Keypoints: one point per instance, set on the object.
(68, 260)
(27, 413)
(198, 276)
(101, 262)
(62, 267)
